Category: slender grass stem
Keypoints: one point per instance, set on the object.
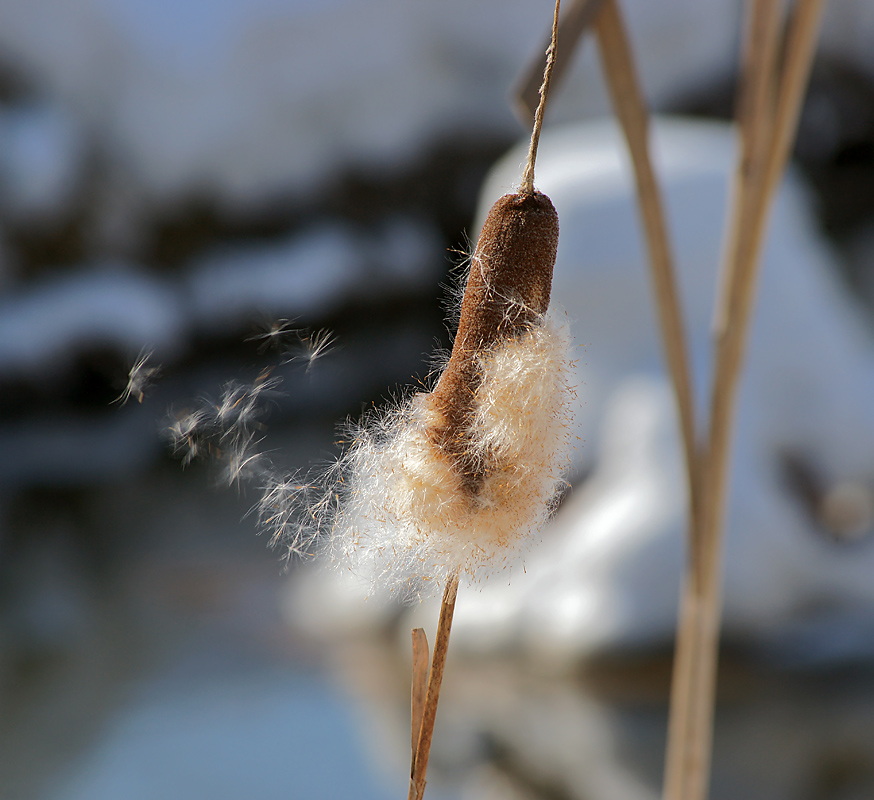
(765, 143)
(419, 688)
(693, 688)
(630, 108)
(574, 23)
(527, 185)
(435, 679)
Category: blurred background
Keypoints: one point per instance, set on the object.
(213, 185)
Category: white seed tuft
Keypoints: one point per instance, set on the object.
(394, 508)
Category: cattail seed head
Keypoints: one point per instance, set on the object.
(507, 289)
(462, 476)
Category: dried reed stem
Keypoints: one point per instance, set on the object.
(766, 139)
(630, 108)
(692, 691)
(435, 678)
(755, 115)
(804, 24)
(419, 688)
(527, 186)
(572, 26)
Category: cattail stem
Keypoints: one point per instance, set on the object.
(419, 689)
(527, 185)
(435, 679)
(630, 108)
(765, 147)
(574, 23)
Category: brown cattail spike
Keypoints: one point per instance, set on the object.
(507, 289)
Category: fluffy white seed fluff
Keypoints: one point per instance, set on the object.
(398, 513)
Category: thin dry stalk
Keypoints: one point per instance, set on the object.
(528, 175)
(630, 108)
(435, 679)
(688, 750)
(755, 117)
(801, 40)
(765, 148)
(749, 223)
(419, 689)
(572, 26)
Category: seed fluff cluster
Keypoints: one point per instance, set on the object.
(400, 513)
(459, 478)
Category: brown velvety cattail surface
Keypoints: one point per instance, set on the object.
(507, 289)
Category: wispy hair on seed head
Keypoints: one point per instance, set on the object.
(392, 508)
(454, 286)
(316, 345)
(294, 343)
(283, 499)
(438, 359)
(228, 429)
(276, 334)
(188, 432)
(140, 377)
(225, 428)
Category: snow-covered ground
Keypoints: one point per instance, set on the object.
(247, 100)
(124, 307)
